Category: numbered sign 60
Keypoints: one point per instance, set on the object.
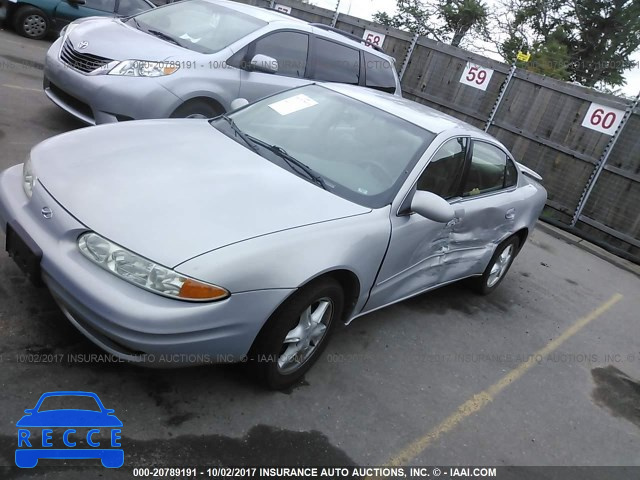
(476, 76)
(602, 119)
(374, 38)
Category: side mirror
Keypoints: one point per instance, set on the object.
(431, 206)
(239, 103)
(264, 63)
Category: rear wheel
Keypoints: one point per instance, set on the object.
(296, 334)
(31, 22)
(498, 267)
(196, 109)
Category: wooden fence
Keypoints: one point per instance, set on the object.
(584, 143)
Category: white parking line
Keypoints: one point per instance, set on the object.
(20, 88)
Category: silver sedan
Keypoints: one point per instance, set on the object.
(249, 236)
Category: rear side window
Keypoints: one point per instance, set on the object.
(289, 49)
(488, 170)
(102, 5)
(336, 63)
(443, 174)
(379, 73)
(511, 177)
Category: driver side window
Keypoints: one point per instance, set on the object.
(443, 174)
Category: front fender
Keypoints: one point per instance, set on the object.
(291, 258)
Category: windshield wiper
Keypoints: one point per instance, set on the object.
(293, 162)
(164, 36)
(239, 132)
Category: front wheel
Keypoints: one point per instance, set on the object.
(498, 266)
(31, 22)
(296, 334)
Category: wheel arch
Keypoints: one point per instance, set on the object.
(214, 103)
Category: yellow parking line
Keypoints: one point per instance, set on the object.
(482, 399)
(21, 88)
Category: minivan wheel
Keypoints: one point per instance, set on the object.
(196, 109)
(296, 334)
(31, 22)
(498, 267)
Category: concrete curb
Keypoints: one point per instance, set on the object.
(588, 247)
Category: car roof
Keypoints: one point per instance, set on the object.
(271, 16)
(426, 117)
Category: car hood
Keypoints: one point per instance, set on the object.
(173, 189)
(69, 418)
(132, 44)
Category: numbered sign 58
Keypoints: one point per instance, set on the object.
(374, 38)
(282, 8)
(602, 119)
(476, 76)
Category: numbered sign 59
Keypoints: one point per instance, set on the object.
(282, 8)
(476, 76)
(602, 119)
(374, 38)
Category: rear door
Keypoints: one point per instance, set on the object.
(486, 210)
(290, 48)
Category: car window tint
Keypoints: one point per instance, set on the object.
(102, 5)
(487, 170)
(442, 175)
(336, 63)
(289, 49)
(65, 402)
(511, 177)
(131, 7)
(379, 73)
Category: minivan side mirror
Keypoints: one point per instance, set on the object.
(239, 103)
(264, 63)
(433, 207)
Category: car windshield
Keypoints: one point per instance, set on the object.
(197, 25)
(69, 402)
(359, 152)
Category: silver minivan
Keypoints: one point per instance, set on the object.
(193, 58)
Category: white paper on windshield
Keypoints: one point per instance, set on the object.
(293, 104)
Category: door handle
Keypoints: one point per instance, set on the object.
(511, 214)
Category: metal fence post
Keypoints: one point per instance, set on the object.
(407, 57)
(334, 20)
(586, 193)
(503, 90)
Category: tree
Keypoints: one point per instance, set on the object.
(594, 37)
(447, 21)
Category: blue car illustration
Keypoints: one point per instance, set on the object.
(98, 420)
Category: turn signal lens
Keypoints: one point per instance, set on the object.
(194, 290)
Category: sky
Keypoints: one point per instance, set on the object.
(366, 8)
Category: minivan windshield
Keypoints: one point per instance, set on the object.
(351, 148)
(198, 25)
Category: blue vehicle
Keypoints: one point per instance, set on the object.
(40, 417)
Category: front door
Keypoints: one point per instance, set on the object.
(417, 252)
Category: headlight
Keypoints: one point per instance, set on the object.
(138, 270)
(28, 177)
(141, 68)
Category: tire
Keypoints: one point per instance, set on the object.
(196, 109)
(498, 267)
(31, 22)
(278, 363)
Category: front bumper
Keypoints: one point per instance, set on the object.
(97, 99)
(123, 319)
